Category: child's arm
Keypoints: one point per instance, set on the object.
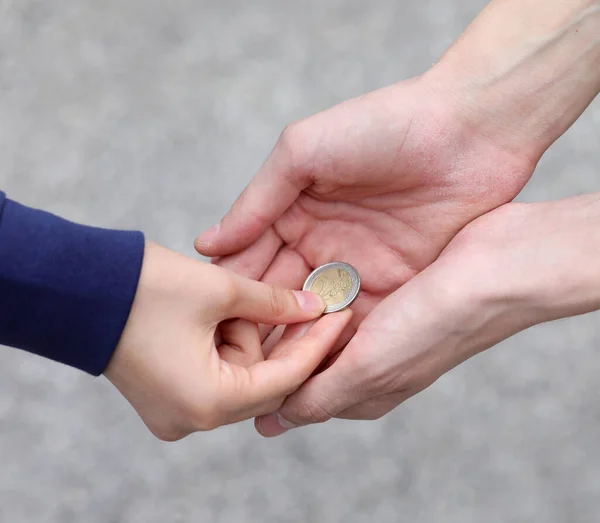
(65, 289)
(74, 294)
(191, 358)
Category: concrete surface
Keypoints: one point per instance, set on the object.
(154, 114)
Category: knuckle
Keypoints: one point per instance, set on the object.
(295, 148)
(289, 139)
(313, 412)
(277, 300)
(252, 216)
(229, 291)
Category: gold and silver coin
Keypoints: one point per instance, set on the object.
(337, 283)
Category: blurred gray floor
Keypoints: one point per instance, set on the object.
(153, 115)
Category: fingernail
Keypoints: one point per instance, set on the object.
(309, 301)
(273, 425)
(208, 236)
(258, 425)
(285, 424)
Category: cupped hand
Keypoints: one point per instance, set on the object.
(515, 267)
(382, 182)
(190, 357)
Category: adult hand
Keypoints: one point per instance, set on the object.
(382, 182)
(186, 362)
(385, 181)
(517, 266)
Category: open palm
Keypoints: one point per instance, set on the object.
(382, 182)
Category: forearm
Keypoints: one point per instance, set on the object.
(520, 265)
(563, 271)
(538, 262)
(524, 71)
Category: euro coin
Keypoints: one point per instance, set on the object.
(338, 283)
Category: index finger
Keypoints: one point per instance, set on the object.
(263, 387)
(274, 188)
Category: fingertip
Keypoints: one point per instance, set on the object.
(205, 240)
(341, 319)
(203, 249)
(214, 250)
(226, 239)
(348, 313)
(261, 427)
(272, 425)
(310, 302)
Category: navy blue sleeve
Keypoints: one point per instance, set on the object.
(66, 290)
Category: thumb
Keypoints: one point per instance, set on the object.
(274, 188)
(319, 399)
(263, 303)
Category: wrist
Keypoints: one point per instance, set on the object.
(156, 300)
(522, 73)
(533, 263)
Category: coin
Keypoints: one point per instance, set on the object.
(337, 283)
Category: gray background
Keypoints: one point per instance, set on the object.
(153, 115)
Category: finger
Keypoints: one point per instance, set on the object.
(282, 336)
(332, 357)
(329, 362)
(363, 305)
(342, 341)
(263, 303)
(288, 270)
(360, 308)
(269, 382)
(270, 336)
(345, 338)
(265, 261)
(289, 335)
(240, 343)
(274, 188)
(253, 261)
(321, 398)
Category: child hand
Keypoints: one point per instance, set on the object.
(190, 358)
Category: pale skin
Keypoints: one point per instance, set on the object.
(388, 181)
(190, 358)
(517, 266)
